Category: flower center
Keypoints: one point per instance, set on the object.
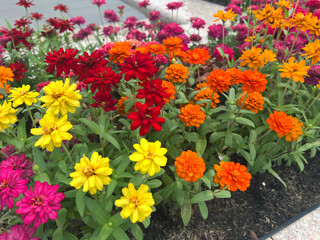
(148, 116)
(58, 95)
(49, 128)
(134, 200)
(37, 201)
(23, 92)
(235, 175)
(150, 155)
(88, 170)
(3, 184)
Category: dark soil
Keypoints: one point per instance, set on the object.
(266, 205)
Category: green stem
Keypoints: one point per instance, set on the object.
(312, 103)
(294, 42)
(100, 16)
(4, 154)
(294, 94)
(258, 139)
(285, 90)
(232, 122)
(68, 153)
(264, 36)
(223, 26)
(30, 114)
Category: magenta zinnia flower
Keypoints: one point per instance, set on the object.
(19, 162)
(111, 16)
(146, 117)
(174, 5)
(41, 204)
(99, 3)
(144, 3)
(9, 149)
(11, 185)
(153, 91)
(19, 232)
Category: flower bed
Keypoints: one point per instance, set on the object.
(99, 134)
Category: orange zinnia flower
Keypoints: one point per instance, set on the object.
(295, 131)
(5, 75)
(269, 56)
(232, 174)
(284, 4)
(119, 52)
(254, 102)
(201, 86)
(294, 70)
(198, 55)
(301, 21)
(121, 106)
(268, 14)
(170, 89)
(156, 48)
(8, 88)
(142, 50)
(315, 27)
(173, 44)
(253, 81)
(177, 73)
(313, 51)
(235, 75)
(207, 94)
(219, 80)
(192, 115)
(280, 122)
(182, 55)
(225, 16)
(253, 58)
(189, 166)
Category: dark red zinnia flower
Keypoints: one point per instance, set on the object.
(104, 100)
(145, 118)
(18, 70)
(17, 36)
(61, 7)
(152, 91)
(22, 22)
(48, 32)
(139, 66)
(36, 15)
(64, 61)
(89, 62)
(102, 78)
(65, 24)
(25, 3)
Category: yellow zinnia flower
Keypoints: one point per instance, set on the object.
(225, 16)
(135, 204)
(252, 57)
(61, 98)
(296, 70)
(269, 56)
(91, 174)
(22, 95)
(149, 157)
(313, 51)
(301, 21)
(53, 131)
(284, 3)
(5, 75)
(268, 14)
(7, 115)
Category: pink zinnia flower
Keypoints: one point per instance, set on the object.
(9, 149)
(144, 3)
(197, 23)
(111, 16)
(11, 185)
(154, 16)
(226, 50)
(78, 20)
(19, 232)
(42, 85)
(19, 162)
(174, 5)
(41, 204)
(99, 3)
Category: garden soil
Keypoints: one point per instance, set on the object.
(266, 205)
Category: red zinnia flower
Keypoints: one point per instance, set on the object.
(22, 22)
(145, 118)
(104, 100)
(25, 3)
(18, 69)
(138, 65)
(102, 78)
(64, 61)
(61, 7)
(64, 24)
(89, 62)
(36, 15)
(41, 204)
(153, 92)
(17, 36)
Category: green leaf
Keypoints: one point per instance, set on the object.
(118, 233)
(112, 185)
(206, 181)
(305, 147)
(252, 136)
(94, 127)
(57, 235)
(167, 191)
(80, 201)
(38, 159)
(98, 213)
(202, 197)
(62, 213)
(216, 136)
(105, 232)
(179, 193)
(154, 183)
(201, 145)
(203, 210)
(222, 194)
(112, 140)
(192, 137)
(245, 121)
(116, 220)
(136, 231)
(69, 236)
(146, 222)
(10, 140)
(21, 132)
(42, 177)
(186, 211)
(252, 152)
(270, 170)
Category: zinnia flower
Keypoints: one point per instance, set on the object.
(91, 174)
(295, 131)
(144, 3)
(229, 15)
(232, 174)
(207, 94)
(189, 166)
(294, 70)
(253, 81)
(22, 95)
(145, 118)
(280, 122)
(149, 157)
(301, 21)
(61, 8)
(41, 204)
(153, 92)
(53, 131)
(219, 80)
(19, 232)
(21, 163)
(60, 97)
(11, 185)
(36, 15)
(5, 75)
(235, 75)
(119, 52)
(192, 115)
(254, 102)
(226, 50)
(135, 204)
(7, 115)
(170, 89)
(139, 65)
(198, 55)
(313, 77)
(172, 44)
(268, 14)
(25, 3)
(174, 5)
(99, 3)
(177, 73)
(253, 58)
(269, 56)
(121, 106)
(105, 101)
(62, 60)
(156, 48)
(312, 51)
(18, 69)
